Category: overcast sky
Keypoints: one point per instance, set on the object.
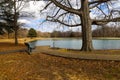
(34, 8)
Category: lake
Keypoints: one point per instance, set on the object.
(71, 43)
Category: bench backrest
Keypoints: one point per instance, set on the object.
(30, 45)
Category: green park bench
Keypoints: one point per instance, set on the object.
(30, 47)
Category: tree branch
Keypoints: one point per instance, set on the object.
(94, 6)
(105, 21)
(71, 10)
(46, 6)
(69, 3)
(99, 1)
(102, 11)
(49, 18)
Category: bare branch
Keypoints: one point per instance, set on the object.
(105, 21)
(69, 3)
(99, 1)
(102, 11)
(46, 6)
(21, 5)
(62, 14)
(94, 6)
(49, 18)
(71, 10)
(57, 13)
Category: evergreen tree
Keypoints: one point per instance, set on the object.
(6, 16)
(32, 33)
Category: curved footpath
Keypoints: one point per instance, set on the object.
(13, 51)
(66, 54)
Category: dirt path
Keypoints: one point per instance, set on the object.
(70, 54)
(12, 51)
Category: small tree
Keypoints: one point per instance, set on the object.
(32, 33)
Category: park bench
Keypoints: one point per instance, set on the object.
(29, 47)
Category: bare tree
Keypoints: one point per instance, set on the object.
(18, 5)
(75, 13)
(9, 12)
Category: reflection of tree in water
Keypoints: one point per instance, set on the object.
(53, 43)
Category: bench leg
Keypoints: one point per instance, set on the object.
(28, 50)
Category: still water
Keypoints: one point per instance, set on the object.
(98, 44)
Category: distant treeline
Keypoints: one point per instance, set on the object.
(103, 31)
(106, 31)
(65, 34)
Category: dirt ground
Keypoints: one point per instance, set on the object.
(39, 66)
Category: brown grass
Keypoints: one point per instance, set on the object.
(10, 46)
(21, 40)
(38, 66)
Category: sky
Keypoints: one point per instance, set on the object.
(32, 8)
(34, 22)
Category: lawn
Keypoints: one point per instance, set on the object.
(39, 66)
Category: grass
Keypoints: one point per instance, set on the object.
(38, 66)
(20, 40)
(105, 38)
(106, 52)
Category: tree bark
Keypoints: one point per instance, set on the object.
(86, 27)
(16, 39)
(15, 23)
(8, 35)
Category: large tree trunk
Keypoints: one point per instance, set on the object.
(15, 23)
(16, 34)
(86, 27)
(8, 35)
(16, 29)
